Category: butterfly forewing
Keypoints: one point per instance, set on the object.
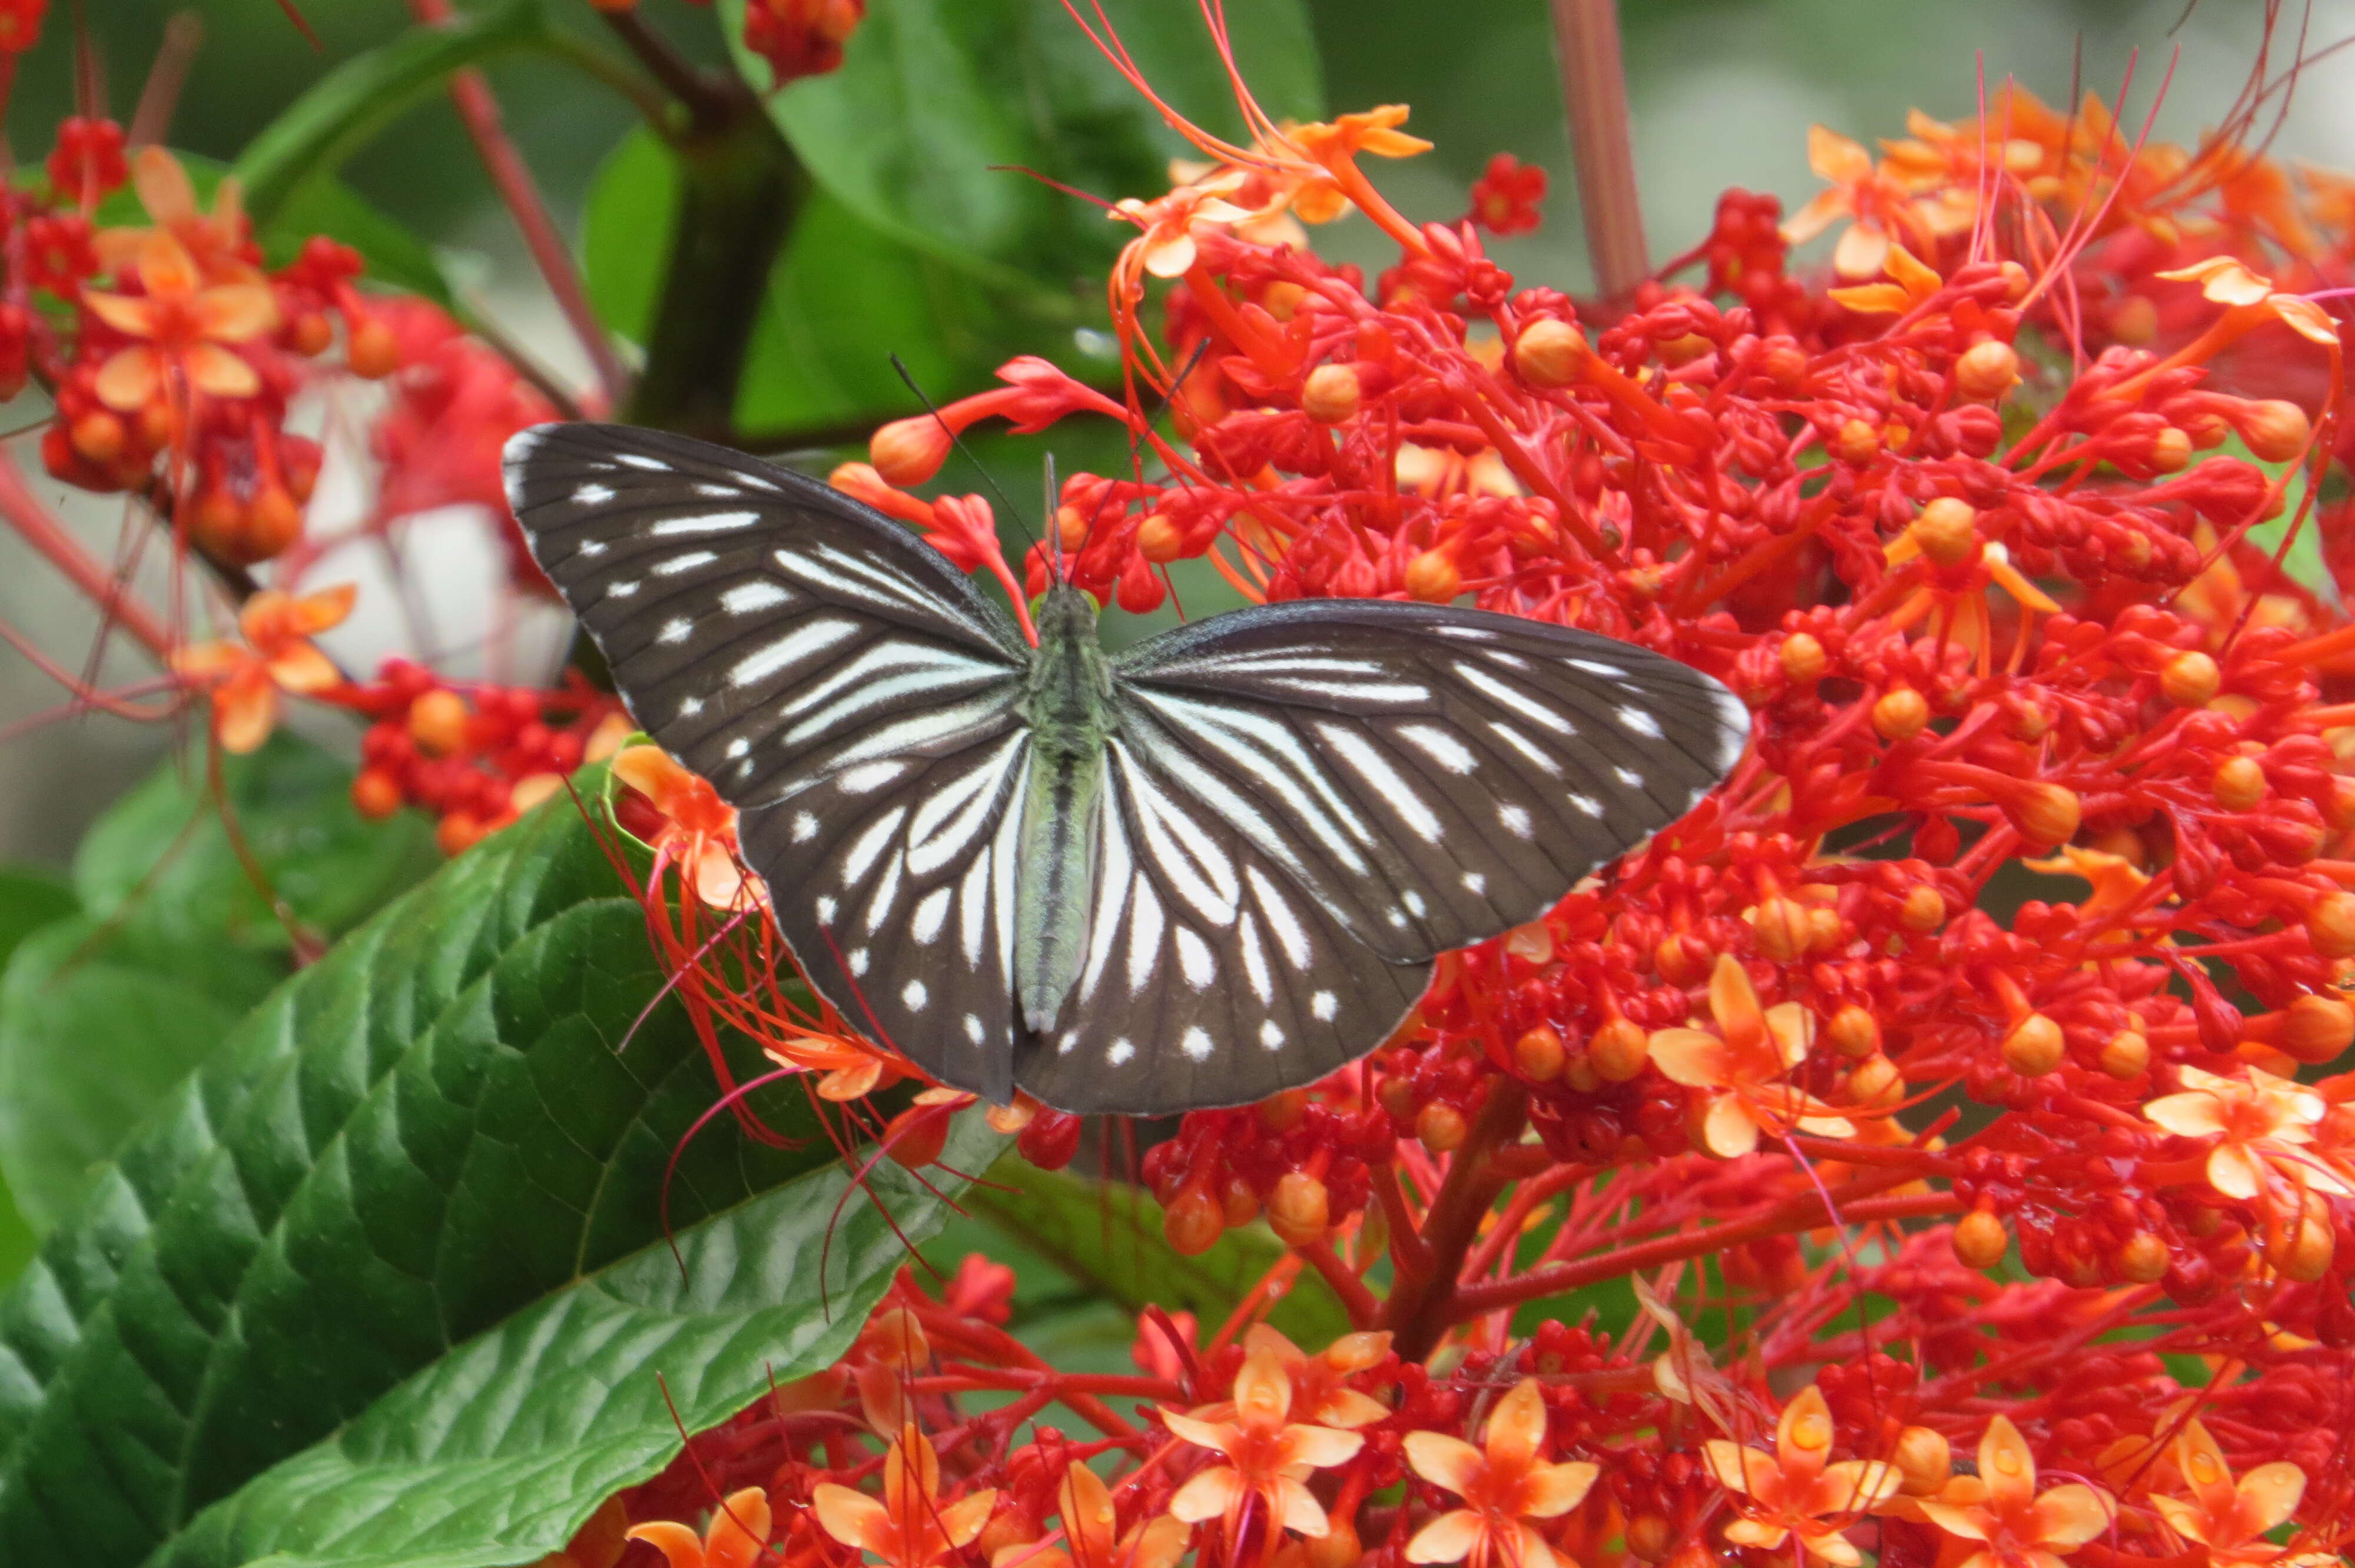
(836, 680)
(1319, 797)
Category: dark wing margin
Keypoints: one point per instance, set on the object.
(1306, 803)
(836, 679)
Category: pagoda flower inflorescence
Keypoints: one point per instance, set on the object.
(1961, 1087)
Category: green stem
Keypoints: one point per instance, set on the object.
(741, 188)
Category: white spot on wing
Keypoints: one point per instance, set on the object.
(1473, 883)
(689, 706)
(1439, 746)
(1516, 819)
(1145, 927)
(684, 563)
(592, 494)
(1195, 958)
(703, 523)
(639, 460)
(1375, 769)
(825, 908)
(1290, 934)
(859, 960)
(1120, 1053)
(805, 827)
(739, 746)
(914, 994)
(1588, 804)
(789, 650)
(932, 912)
(1629, 777)
(1414, 903)
(746, 597)
(1642, 722)
(868, 847)
(1197, 1045)
(1271, 1034)
(1596, 667)
(868, 777)
(592, 549)
(973, 1028)
(1324, 1005)
(621, 588)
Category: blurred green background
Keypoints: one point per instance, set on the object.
(1723, 91)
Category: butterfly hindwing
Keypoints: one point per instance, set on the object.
(837, 681)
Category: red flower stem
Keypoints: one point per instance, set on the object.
(471, 96)
(966, 1378)
(1420, 1311)
(34, 525)
(1407, 1255)
(1532, 1192)
(1594, 93)
(1806, 1212)
(1362, 1307)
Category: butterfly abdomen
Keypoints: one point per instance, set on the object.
(1070, 718)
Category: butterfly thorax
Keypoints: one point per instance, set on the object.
(1072, 717)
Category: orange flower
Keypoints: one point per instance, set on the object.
(214, 242)
(186, 328)
(2230, 1519)
(1091, 1535)
(276, 656)
(739, 1529)
(911, 1528)
(2250, 300)
(1792, 1492)
(2001, 1508)
(1166, 249)
(1268, 1454)
(1317, 1390)
(1879, 209)
(1742, 1066)
(1502, 1490)
(2261, 1124)
(699, 831)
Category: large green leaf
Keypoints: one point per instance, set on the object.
(164, 857)
(29, 900)
(396, 1248)
(931, 93)
(1108, 1235)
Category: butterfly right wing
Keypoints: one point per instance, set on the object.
(839, 683)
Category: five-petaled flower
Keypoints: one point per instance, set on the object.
(2261, 1124)
(1504, 197)
(1268, 1454)
(185, 330)
(1794, 1492)
(699, 830)
(1502, 1490)
(1880, 209)
(1743, 1067)
(738, 1529)
(2231, 1518)
(245, 679)
(911, 1527)
(1091, 1534)
(2000, 1508)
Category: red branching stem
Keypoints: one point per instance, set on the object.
(472, 97)
(34, 524)
(1363, 1308)
(1594, 92)
(1418, 1310)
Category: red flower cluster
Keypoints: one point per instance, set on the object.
(2000, 986)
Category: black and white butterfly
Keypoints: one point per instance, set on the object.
(1209, 867)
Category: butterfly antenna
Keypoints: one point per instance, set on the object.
(958, 441)
(1051, 510)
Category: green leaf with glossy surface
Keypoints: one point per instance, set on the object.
(931, 93)
(396, 1248)
(162, 857)
(1108, 1235)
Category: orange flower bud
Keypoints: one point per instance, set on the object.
(458, 832)
(2239, 784)
(1619, 1050)
(1856, 441)
(1923, 1459)
(1647, 1537)
(376, 794)
(1854, 1033)
(1441, 1127)
(2299, 1244)
(1781, 928)
(2133, 319)
(1825, 930)
(1876, 1081)
(1987, 371)
(1539, 1055)
(2170, 450)
(1549, 353)
(2190, 680)
(2034, 1047)
(2315, 1029)
(98, 436)
(311, 334)
(1432, 578)
(1980, 1240)
(1193, 1221)
(1925, 909)
(271, 523)
(1158, 539)
(1282, 299)
(1330, 394)
(437, 722)
(1900, 713)
(1947, 531)
(1784, 362)
(1802, 657)
(909, 450)
(2046, 813)
(2141, 1259)
(2330, 924)
(2127, 1055)
(1338, 1547)
(372, 351)
(1297, 1210)
(2273, 430)
(1238, 1203)
(1071, 526)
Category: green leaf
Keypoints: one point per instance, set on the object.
(1109, 1235)
(98, 1024)
(29, 900)
(843, 297)
(931, 93)
(385, 1280)
(164, 858)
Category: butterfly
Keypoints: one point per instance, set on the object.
(1193, 873)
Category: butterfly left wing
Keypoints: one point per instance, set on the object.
(1317, 797)
(837, 681)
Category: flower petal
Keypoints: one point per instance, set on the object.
(213, 369)
(236, 312)
(1208, 1496)
(1215, 1435)
(2006, 1465)
(963, 1520)
(1319, 1447)
(124, 313)
(1450, 1537)
(1549, 1492)
(1861, 252)
(1298, 1509)
(2235, 1172)
(1517, 1425)
(738, 1529)
(2072, 1515)
(2271, 1493)
(1755, 1533)
(130, 378)
(163, 185)
(1691, 1057)
(1728, 1128)
(852, 1518)
(675, 1542)
(1443, 1461)
(1263, 1388)
(1967, 1522)
(243, 714)
(2195, 1115)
